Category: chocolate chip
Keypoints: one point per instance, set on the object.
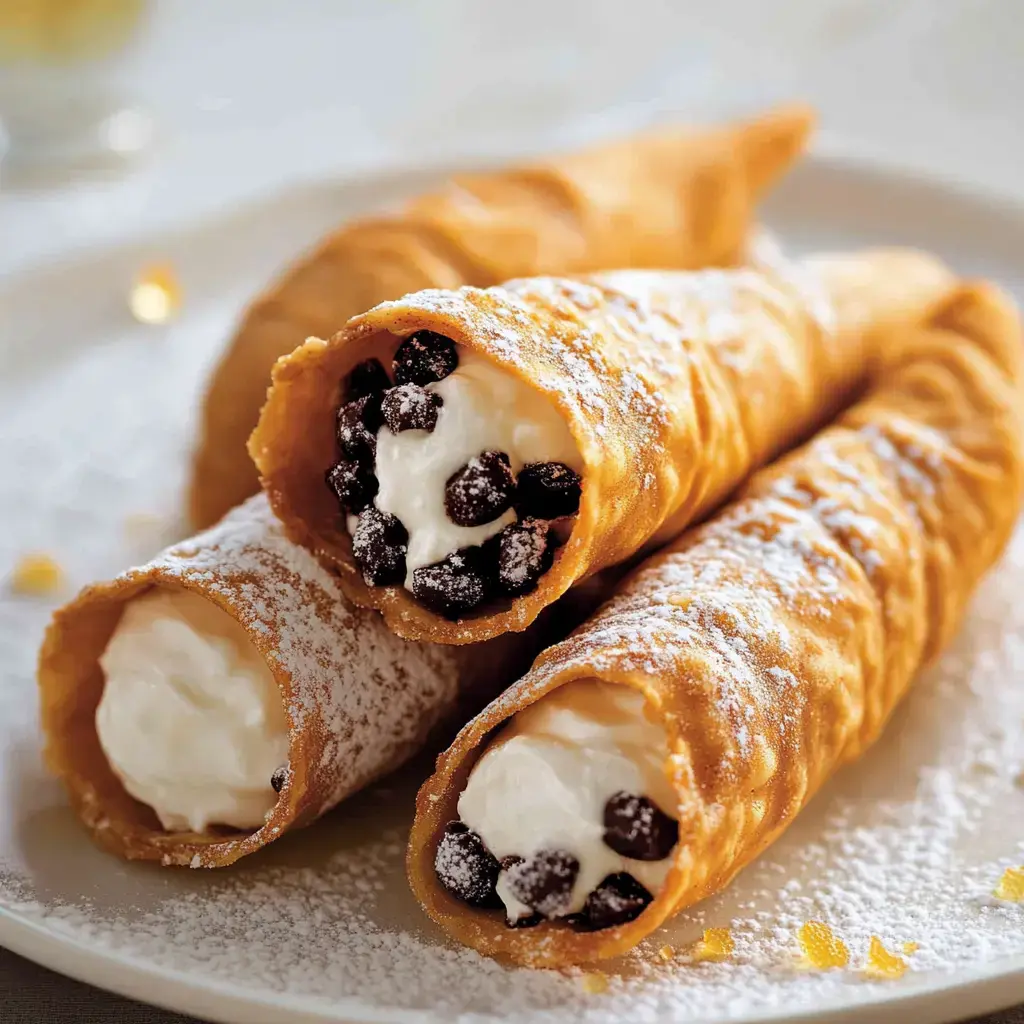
(618, 899)
(480, 491)
(367, 378)
(544, 882)
(638, 828)
(466, 868)
(357, 426)
(548, 490)
(379, 546)
(279, 778)
(424, 357)
(354, 484)
(524, 555)
(451, 587)
(410, 407)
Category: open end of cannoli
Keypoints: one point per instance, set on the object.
(163, 717)
(568, 815)
(453, 478)
(190, 719)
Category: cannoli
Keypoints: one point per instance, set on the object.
(202, 705)
(674, 198)
(462, 458)
(645, 760)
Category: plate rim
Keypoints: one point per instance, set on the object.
(951, 995)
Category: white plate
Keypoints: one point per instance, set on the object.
(94, 415)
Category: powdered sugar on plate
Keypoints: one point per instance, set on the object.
(907, 845)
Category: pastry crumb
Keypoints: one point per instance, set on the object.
(716, 946)
(37, 574)
(821, 949)
(156, 295)
(594, 983)
(910, 948)
(667, 952)
(1011, 886)
(881, 964)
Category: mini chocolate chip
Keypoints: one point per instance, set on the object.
(466, 868)
(379, 546)
(450, 587)
(454, 828)
(367, 378)
(548, 490)
(358, 423)
(636, 827)
(618, 899)
(531, 920)
(279, 778)
(544, 882)
(410, 407)
(524, 555)
(480, 491)
(354, 484)
(424, 357)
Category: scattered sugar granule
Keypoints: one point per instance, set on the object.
(37, 574)
(1011, 886)
(716, 946)
(594, 983)
(821, 949)
(881, 964)
(910, 948)
(667, 952)
(156, 295)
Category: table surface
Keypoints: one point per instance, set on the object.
(929, 84)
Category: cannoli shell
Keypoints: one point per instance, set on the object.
(674, 385)
(774, 642)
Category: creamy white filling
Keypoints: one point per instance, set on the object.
(543, 783)
(191, 720)
(485, 409)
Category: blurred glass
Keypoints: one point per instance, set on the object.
(61, 109)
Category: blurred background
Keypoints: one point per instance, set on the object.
(123, 116)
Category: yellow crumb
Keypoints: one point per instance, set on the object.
(667, 952)
(155, 295)
(595, 984)
(883, 964)
(36, 574)
(910, 948)
(821, 949)
(716, 946)
(1011, 886)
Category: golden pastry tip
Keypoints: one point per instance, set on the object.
(881, 964)
(821, 949)
(37, 574)
(156, 295)
(594, 983)
(1011, 886)
(910, 948)
(667, 952)
(716, 946)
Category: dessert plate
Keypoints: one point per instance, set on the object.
(96, 415)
